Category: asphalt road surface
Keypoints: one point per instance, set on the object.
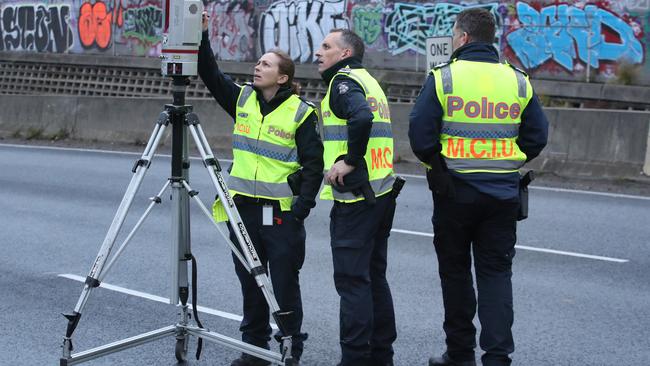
(581, 274)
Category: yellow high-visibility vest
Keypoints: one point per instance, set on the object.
(379, 154)
(264, 149)
(482, 104)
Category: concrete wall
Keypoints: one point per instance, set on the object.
(562, 40)
(582, 142)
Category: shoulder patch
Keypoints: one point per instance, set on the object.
(343, 87)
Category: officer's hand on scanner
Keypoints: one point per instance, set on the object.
(336, 173)
(205, 18)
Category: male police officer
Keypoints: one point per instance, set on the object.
(358, 144)
(474, 124)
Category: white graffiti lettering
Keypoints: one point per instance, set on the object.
(299, 27)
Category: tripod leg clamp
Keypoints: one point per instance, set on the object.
(92, 282)
(140, 162)
(286, 350)
(212, 162)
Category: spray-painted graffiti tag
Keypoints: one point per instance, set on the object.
(367, 22)
(557, 31)
(231, 32)
(143, 23)
(409, 25)
(299, 27)
(94, 24)
(35, 28)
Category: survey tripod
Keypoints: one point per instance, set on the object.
(182, 120)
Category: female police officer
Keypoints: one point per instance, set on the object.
(275, 135)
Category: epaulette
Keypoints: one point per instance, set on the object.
(517, 69)
(245, 83)
(441, 65)
(345, 70)
(309, 103)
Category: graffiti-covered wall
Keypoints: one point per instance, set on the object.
(549, 38)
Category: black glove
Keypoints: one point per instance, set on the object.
(439, 179)
(300, 211)
(441, 184)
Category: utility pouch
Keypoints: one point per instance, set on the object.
(295, 181)
(524, 181)
(398, 184)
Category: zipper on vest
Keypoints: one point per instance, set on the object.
(257, 156)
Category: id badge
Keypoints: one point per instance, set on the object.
(267, 215)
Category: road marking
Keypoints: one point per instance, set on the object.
(551, 189)
(156, 298)
(534, 249)
(604, 194)
(78, 149)
(565, 190)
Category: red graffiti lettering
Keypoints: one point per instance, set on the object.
(94, 24)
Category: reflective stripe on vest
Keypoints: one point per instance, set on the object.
(379, 153)
(340, 133)
(480, 130)
(482, 106)
(265, 149)
(378, 185)
(261, 189)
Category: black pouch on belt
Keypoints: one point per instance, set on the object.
(524, 181)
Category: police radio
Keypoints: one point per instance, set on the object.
(181, 37)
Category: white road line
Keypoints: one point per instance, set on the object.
(551, 189)
(37, 147)
(604, 194)
(161, 299)
(543, 250)
(566, 190)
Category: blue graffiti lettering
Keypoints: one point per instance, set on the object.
(557, 31)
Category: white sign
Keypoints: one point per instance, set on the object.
(438, 50)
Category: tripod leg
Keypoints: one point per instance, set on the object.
(154, 201)
(256, 268)
(139, 169)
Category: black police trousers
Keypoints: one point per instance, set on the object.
(485, 227)
(359, 234)
(281, 249)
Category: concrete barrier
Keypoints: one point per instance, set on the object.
(582, 142)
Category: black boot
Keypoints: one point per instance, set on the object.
(445, 360)
(247, 360)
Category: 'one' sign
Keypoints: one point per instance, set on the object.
(438, 50)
